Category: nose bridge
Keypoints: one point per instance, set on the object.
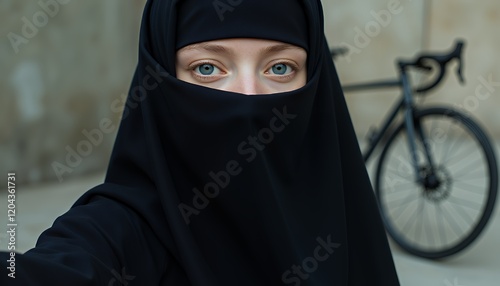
(247, 81)
(249, 84)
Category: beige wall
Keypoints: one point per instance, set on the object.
(61, 80)
(412, 27)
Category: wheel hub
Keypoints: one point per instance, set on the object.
(436, 183)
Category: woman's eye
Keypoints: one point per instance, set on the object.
(207, 69)
(281, 69)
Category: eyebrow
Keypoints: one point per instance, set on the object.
(279, 48)
(219, 49)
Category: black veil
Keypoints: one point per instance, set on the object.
(209, 187)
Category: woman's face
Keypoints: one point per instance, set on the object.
(248, 66)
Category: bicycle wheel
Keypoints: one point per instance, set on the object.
(444, 211)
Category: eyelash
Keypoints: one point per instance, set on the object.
(292, 65)
(192, 67)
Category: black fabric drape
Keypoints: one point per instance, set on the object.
(208, 187)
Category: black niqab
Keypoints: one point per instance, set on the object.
(209, 187)
(279, 20)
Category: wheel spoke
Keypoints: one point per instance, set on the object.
(436, 220)
(464, 174)
(404, 201)
(451, 221)
(395, 172)
(449, 146)
(430, 232)
(469, 187)
(411, 217)
(463, 214)
(441, 229)
(470, 164)
(465, 203)
(461, 156)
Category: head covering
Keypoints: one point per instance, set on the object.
(245, 190)
(200, 21)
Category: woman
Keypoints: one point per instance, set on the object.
(235, 164)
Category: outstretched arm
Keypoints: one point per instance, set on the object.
(99, 243)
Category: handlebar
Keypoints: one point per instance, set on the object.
(422, 60)
(442, 60)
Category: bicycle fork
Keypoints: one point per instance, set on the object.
(414, 129)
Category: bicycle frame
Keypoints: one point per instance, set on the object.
(406, 104)
(433, 181)
(373, 142)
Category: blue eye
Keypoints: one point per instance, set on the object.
(280, 69)
(206, 69)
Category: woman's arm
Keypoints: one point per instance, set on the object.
(99, 243)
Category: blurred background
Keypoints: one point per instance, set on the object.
(62, 66)
(66, 65)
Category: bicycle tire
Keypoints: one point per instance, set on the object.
(441, 196)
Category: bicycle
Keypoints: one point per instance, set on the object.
(431, 205)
